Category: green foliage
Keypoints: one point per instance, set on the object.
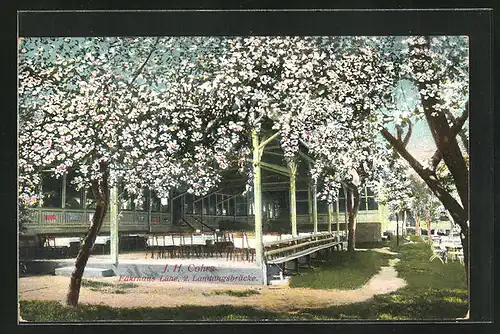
(24, 217)
(343, 270)
(420, 273)
(95, 284)
(39, 311)
(128, 285)
(233, 293)
(415, 238)
(371, 244)
(424, 200)
(108, 287)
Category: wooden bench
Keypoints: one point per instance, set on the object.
(294, 248)
(302, 253)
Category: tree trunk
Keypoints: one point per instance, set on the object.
(417, 224)
(446, 142)
(100, 190)
(352, 200)
(456, 210)
(464, 238)
(444, 138)
(397, 229)
(428, 222)
(404, 232)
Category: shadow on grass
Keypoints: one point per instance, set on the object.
(51, 311)
(423, 304)
(402, 305)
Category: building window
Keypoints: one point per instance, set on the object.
(188, 203)
(302, 200)
(302, 208)
(367, 200)
(342, 202)
(241, 205)
(211, 205)
(143, 205)
(197, 205)
(219, 207)
(90, 202)
(372, 203)
(155, 202)
(127, 202)
(323, 206)
(51, 191)
(74, 198)
(230, 206)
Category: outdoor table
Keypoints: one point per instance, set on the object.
(454, 252)
(101, 240)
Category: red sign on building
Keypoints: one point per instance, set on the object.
(50, 217)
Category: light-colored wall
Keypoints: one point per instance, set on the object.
(368, 232)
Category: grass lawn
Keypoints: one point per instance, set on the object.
(434, 291)
(343, 270)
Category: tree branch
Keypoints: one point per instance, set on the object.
(455, 129)
(408, 134)
(145, 62)
(456, 210)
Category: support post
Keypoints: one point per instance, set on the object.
(172, 209)
(292, 166)
(315, 206)
(309, 204)
(403, 232)
(216, 204)
(202, 207)
(113, 225)
(63, 190)
(234, 213)
(330, 217)
(257, 195)
(346, 227)
(338, 217)
(209, 205)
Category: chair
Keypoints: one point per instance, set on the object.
(236, 251)
(438, 253)
(197, 244)
(208, 248)
(152, 245)
(188, 248)
(455, 253)
(160, 246)
(250, 248)
(177, 245)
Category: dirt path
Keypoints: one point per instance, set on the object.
(162, 294)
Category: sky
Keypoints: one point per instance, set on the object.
(421, 144)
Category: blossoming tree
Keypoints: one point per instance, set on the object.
(437, 70)
(343, 139)
(91, 105)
